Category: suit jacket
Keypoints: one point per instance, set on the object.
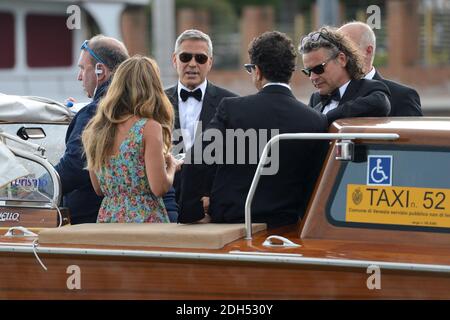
(211, 100)
(363, 98)
(405, 101)
(280, 198)
(79, 195)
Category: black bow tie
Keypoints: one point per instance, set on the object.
(197, 94)
(335, 95)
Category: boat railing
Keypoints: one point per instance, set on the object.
(344, 139)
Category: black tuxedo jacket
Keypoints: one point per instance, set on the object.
(405, 101)
(363, 98)
(280, 198)
(211, 100)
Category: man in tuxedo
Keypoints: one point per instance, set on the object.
(405, 101)
(282, 196)
(194, 98)
(334, 66)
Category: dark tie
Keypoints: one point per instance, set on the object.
(197, 94)
(335, 95)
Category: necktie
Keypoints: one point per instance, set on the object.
(197, 94)
(335, 95)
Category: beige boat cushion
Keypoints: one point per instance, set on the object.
(169, 235)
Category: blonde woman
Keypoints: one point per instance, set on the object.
(127, 145)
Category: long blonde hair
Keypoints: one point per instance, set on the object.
(136, 90)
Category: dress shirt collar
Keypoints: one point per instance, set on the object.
(343, 88)
(277, 84)
(202, 86)
(371, 74)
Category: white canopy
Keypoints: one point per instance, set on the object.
(32, 109)
(10, 168)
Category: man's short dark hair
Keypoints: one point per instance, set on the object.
(275, 55)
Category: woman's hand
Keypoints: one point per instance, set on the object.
(173, 165)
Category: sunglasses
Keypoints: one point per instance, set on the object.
(315, 36)
(187, 57)
(319, 69)
(249, 67)
(85, 46)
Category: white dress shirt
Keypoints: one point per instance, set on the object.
(333, 103)
(189, 113)
(371, 74)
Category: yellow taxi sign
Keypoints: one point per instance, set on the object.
(408, 206)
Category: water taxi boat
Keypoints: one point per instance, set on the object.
(377, 227)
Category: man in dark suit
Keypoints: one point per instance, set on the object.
(282, 196)
(405, 101)
(334, 66)
(194, 98)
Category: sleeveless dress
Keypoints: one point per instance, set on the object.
(123, 181)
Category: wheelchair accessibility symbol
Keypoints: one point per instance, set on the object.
(379, 170)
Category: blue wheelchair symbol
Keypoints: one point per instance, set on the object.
(379, 170)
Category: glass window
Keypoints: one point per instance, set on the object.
(49, 41)
(7, 32)
(400, 188)
(37, 186)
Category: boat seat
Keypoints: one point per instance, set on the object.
(169, 235)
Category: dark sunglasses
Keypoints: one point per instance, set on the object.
(249, 67)
(315, 36)
(187, 57)
(85, 46)
(319, 69)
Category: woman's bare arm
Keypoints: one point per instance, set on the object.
(160, 169)
(95, 183)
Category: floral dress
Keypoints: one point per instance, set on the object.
(123, 181)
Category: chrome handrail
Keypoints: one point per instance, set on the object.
(34, 146)
(300, 136)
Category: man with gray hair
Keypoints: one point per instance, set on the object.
(334, 66)
(404, 100)
(194, 98)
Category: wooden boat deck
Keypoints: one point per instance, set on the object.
(310, 248)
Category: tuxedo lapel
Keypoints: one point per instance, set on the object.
(319, 107)
(316, 102)
(351, 91)
(208, 106)
(172, 94)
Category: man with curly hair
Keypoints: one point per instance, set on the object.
(274, 107)
(335, 67)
